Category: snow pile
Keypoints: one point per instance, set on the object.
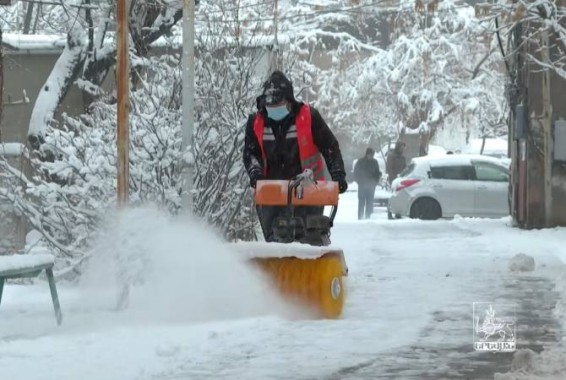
(19, 262)
(524, 361)
(528, 365)
(522, 263)
(524, 365)
(493, 146)
(176, 270)
(19, 41)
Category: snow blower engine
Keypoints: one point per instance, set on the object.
(315, 230)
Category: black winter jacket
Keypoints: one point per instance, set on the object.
(283, 160)
(366, 171)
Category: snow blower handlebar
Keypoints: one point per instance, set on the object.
(306, 180)
(308, 192)
(303, 190)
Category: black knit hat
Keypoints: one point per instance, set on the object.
(277, 88)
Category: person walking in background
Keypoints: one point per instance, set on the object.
(367, 175)
(396, 162)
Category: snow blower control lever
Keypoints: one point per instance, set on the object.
(303, 190)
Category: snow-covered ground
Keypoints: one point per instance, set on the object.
(198, 313)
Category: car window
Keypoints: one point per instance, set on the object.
(461, 172)
(490, 172)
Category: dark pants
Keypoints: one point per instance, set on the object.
(268, 214)
(365, 200)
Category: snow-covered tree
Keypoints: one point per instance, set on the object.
(231, 67)
(77, 178)
(430, 75)
(70, 190)
(36, 17)
(544, 24)
(90, 53)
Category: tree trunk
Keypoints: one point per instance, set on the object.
(51, 95)
(27, 21)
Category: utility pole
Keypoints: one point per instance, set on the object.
(275, 49)
(123, 103)
(547, 125)
(188, 107)
(123, 126)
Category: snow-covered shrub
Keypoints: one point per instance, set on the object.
(75, 178)
(76, 175)
(227, 87)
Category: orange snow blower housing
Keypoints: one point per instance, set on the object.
(301, 263)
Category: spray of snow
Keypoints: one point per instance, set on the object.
(176, 271)
(524, 364)
(529, 365)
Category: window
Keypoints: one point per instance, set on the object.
(460, 172)
(491, 172)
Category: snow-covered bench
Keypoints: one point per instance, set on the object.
(25, 266)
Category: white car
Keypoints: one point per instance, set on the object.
(445, 186)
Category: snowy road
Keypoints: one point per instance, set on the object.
(408, 314)
(442, 348)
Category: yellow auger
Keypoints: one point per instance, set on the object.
(301, 264)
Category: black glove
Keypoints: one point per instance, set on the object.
(255, 175)
(342, 184)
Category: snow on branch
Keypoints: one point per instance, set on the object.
(539, 17)
(420, 82)
(57, 84)
(89, 57)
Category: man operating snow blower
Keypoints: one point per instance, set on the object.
(296, 168)
(285, 137)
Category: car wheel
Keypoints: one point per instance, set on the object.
(426, 209)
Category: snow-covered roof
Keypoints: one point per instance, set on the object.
(11, 149)
(35, 42)
(54, 44)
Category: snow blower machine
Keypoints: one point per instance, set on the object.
(300, 262)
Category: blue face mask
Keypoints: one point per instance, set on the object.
(277, 113)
